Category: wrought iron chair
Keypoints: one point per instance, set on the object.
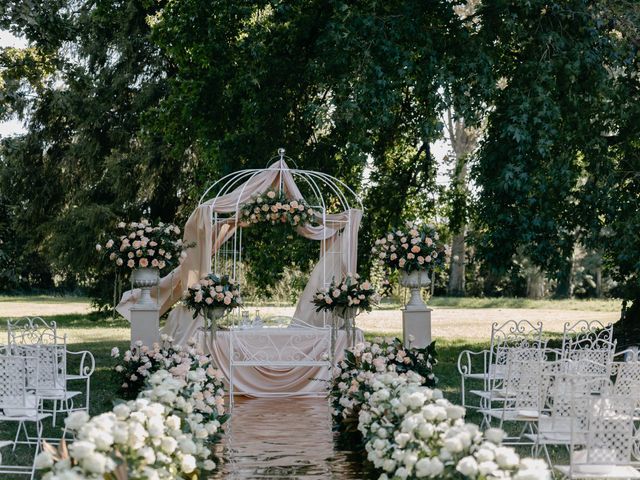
(488, 366)
(52, 352)
(601, 437)
(520, 396)
(19, 402)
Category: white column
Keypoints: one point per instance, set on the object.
(145, 323)
(416, 323)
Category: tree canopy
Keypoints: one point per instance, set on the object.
(133, 107)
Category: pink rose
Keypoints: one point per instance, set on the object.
(227, 300)
(131, 264)
(198, 297)
(144, 263)
(415, 249)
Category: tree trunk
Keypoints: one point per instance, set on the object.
(599, 282)
(627, 330)
(565, 280)
(464, 141)
(456, 274)
(535, 284)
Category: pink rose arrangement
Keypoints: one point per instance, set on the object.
(212, 291)
(415, 247)
(351, 291)
(144, 245)
(274, 207)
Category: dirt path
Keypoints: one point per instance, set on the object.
(467, 324)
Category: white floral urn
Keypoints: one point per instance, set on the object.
(145, 279)
(415, 281)
(213, 314)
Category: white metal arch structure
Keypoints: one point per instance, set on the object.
(335, 203)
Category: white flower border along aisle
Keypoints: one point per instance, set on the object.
(411, 432)
(166, 433)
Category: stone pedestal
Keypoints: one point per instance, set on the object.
(145, 323)
(417, 323)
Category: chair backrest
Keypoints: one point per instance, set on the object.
(627, 378)
(562, 390)
(594, 356)
(13, 384)
(523, 381)
(585, 333)
(32, 331)
(604, 435)
(49, 371)
(507, 337)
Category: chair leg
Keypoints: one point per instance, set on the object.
(15, 441)
(38, 440)
(55, 409)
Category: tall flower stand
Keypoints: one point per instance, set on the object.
(416, 316)
(145, 314)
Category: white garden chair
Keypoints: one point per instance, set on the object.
(488, 366)
(20, 403)
(561, 388)
(52, 352)
(601, 438)
(518, 401)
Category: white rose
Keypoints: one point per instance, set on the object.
(506, 457)
(168, 445)
(43, 460)
(76, 420)
(81, 449)
(188, 464)
(209, 465)
(494, 435)
(95, 463)
(467, 466)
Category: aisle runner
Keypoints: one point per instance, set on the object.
(284, 438)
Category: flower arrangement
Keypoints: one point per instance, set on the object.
(351, 384)
(165, 433)
(142, 245)
(212, 291)
(349, 292)
(409, 249)
(411, 431)
(139, 363)
(274, 207)
(137, 439)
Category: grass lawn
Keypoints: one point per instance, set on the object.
(86, 331)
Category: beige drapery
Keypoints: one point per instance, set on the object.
(339, 232)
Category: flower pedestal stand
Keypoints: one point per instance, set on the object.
(348, 315)
(416, 316)
(145, 314)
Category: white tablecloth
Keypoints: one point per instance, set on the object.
(264, 381)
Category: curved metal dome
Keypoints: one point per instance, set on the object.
(317, 186)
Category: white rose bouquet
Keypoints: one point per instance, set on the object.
(138, 439)
(415, 247)
(144, 245)
(274, 207)
(351, 383)
(212, 291)
(351, 291)
(412, 432)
